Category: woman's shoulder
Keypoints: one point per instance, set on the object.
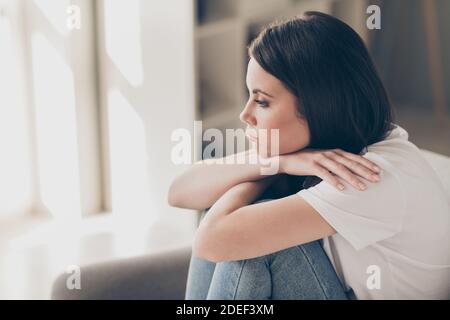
(398, 154)
(412, 170)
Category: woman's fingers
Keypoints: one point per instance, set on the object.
(354, 166)
(325, 175)
(357, 158)
(342, 171)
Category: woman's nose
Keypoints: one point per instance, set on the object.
(246, 116)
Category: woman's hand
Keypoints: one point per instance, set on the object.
(329, 165)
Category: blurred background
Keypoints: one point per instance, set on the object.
(92, 90)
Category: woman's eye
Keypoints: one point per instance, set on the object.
(262, 103)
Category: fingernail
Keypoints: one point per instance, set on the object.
(361, 186)
(375, 177)
(376, 169)
(341, 186)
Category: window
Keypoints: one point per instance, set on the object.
(79, 144)
(16, 183)
(49, 124)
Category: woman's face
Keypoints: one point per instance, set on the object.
(272, 106)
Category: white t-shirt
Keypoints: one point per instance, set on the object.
(393, 239)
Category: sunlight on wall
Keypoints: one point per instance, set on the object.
(56, 130)
(13, 266)
(129, 173)
(55, 12)
(15, 181)
(123, 38)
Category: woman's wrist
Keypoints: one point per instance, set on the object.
(257, 166)
(281, 163)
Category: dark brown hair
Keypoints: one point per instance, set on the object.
(324, 63)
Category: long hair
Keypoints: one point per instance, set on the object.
(324, 63)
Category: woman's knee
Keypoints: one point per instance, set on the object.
(241, 279)
(304, 272)
(248, 266)
(298, 272)
(264, 262)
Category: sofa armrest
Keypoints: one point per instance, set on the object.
(160, 276)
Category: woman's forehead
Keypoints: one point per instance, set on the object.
(259, 78)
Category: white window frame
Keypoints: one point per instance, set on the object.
(80, 53)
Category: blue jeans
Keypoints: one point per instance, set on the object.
(300, 272)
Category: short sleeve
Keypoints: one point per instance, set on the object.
(361, 217)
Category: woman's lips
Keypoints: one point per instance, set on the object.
(251, 136)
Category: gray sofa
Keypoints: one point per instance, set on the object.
(163, 276)
(156, 277)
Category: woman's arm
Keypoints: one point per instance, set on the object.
(206, 181)
(202, 184)
(236, 197)
(235, 229)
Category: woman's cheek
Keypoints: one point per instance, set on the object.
(291, 141)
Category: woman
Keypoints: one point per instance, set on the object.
(370, 221)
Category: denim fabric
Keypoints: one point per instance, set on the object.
(300, 272)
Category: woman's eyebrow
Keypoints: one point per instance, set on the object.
(259, 90)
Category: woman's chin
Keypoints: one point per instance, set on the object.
(266, 152)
